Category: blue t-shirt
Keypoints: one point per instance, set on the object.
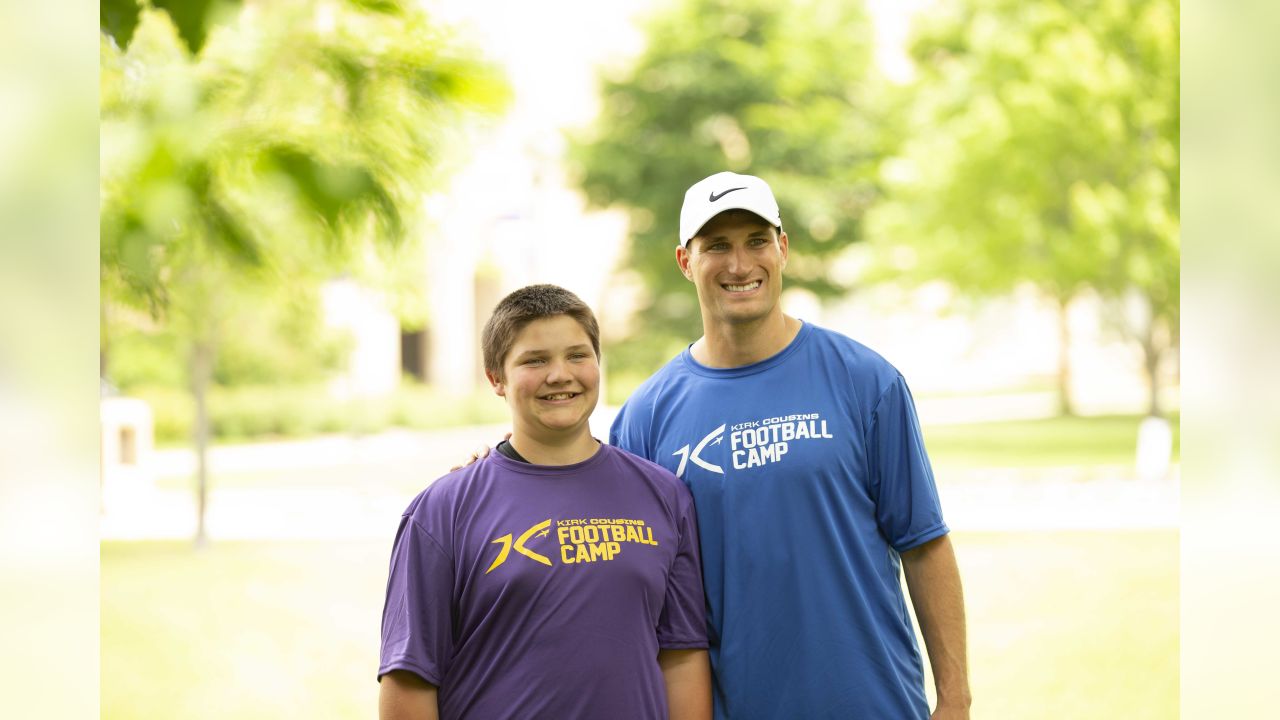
(809, 476)
(533, 591)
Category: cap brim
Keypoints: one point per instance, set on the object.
(717, 211)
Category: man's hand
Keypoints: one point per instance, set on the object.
(950, 713)
(480, 452)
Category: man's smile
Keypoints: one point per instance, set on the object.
(746, 287)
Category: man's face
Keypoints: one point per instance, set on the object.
(551, 377)
(736, 263)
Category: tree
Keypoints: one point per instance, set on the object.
(1041, 145)
(293, 145)
(784, 91)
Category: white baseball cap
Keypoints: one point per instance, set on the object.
(725, 191)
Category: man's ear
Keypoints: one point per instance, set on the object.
(783, 245)
(499, 387)
(682, 261)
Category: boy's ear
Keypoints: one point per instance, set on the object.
(499, 388)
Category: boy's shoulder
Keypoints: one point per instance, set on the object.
(448, 488)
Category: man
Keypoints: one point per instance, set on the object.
(811, 485)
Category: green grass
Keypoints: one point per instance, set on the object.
(1061, 625)
(1072, 624)
(241, 630)
(1104, 440)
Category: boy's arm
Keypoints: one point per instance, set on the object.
(687, 674)
(405, 696)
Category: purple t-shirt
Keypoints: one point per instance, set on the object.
(532, 591)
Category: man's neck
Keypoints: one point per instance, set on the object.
(735, 345)
(554, 449)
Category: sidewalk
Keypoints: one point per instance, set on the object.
(349, 487)
(998, 505)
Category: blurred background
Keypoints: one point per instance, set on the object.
(309, 207)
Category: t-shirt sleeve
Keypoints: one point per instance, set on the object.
(683, 621)
(417, 629)
(907, 507)
(627, 434)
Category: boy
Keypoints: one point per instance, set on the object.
(557, 578)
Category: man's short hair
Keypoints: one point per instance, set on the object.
(522, 307)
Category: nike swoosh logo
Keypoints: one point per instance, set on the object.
(715, 197)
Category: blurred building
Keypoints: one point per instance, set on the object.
(127, 443)
(509, 217)
(373, 363)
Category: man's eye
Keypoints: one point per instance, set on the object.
(533, 361)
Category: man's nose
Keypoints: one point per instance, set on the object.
(739, 261)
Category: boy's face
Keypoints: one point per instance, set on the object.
(551, 378)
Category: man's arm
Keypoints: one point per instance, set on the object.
(405, 696)
(687, 674)
(933, 579)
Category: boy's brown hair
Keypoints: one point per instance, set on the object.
(522, 307)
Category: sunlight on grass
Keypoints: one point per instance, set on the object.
(1072, 624)
(1102, 440)
(1060, 625)
(241, 630)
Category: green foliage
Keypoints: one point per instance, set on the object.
(292, 148)
(117, 19)
(296, 130)
(783, 91)
(193, 19)
(282, 342)
(263, 412)
(144, 359)
(1040, 143)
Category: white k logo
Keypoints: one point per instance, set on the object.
(685, 457)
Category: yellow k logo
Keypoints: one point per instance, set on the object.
(505, 541)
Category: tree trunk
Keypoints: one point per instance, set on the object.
(201, 376)
(104, 340)
(1151, 362)
(1065, 406)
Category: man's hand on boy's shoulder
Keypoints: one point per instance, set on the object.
(480, 452)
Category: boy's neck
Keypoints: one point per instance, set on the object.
(554, 449)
